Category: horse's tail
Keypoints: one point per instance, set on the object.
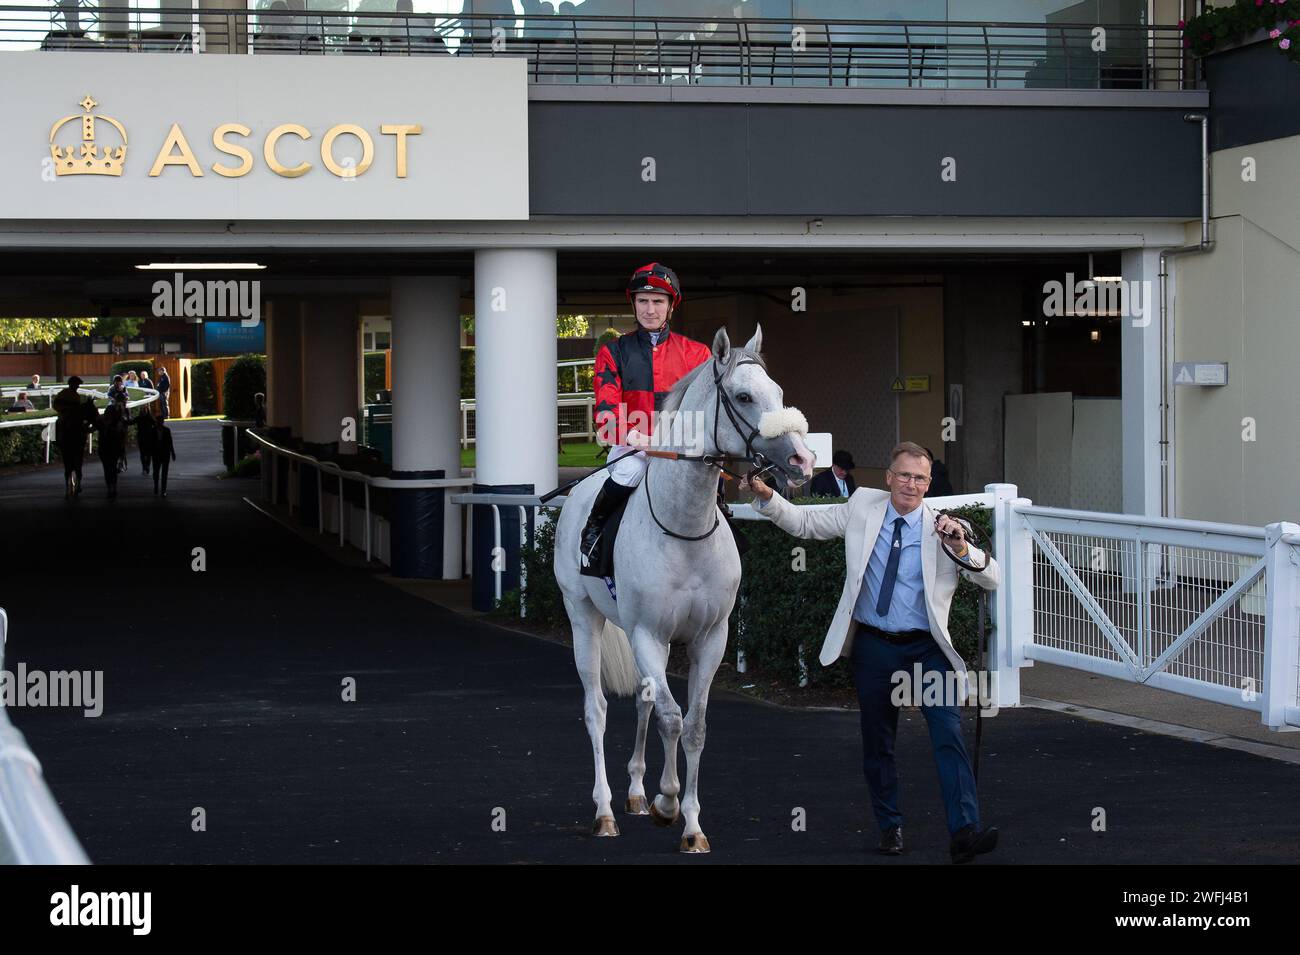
(618, 672)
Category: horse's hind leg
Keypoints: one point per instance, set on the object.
(636, 801)
(587, 622)
(705, 655)
(652, 662)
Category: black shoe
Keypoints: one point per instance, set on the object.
(611, 495)
(969, 843)
(891, 842)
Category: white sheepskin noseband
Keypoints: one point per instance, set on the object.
(783, 421)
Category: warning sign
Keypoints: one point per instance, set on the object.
(1200, 373)
(910, 383)
(897, 385)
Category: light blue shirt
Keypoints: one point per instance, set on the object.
(907, 605)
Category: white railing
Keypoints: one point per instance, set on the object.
(48, 421)
(274, 454)
(1203, 609)
(575, 416)
(33, 830)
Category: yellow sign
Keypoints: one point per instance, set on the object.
(90, 161)
(911, 383)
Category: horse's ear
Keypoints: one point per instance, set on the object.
(755, 344)
(721, 346)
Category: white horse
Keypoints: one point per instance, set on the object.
(676, 573)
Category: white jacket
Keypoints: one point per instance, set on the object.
(858, 521)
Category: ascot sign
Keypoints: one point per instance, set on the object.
(236, 138)
(176, 150)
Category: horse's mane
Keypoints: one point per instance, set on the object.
(673, 401)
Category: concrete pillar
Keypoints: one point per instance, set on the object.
(514, 378)
(1140, 383)
(284, 365)
(331, 372)
(426, 390)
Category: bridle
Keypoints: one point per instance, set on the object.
(759, 462)
(973, 539)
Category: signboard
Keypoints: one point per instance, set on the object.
(233, 338)
(229, 138)
(1200, 373)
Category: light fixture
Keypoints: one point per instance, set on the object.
(195, 266)
(1026, 323)
(1095, 335)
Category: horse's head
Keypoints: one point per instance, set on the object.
(751, 416)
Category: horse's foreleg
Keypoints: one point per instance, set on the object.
(705, 655)
(652, 661)
(636, 801)
(587, 622)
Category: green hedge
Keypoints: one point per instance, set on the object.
(203, 387)
(374, 374)
(21, 446)
(778, 609)
(134, 364)
(244, 378)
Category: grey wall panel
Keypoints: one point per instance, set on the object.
(759, 159)
(586, 159)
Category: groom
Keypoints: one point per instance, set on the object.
(892, 615)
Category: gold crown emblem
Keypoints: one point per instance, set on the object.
(88, 160)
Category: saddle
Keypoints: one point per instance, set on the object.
(603, 565)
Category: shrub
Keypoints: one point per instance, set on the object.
(21, 446)
(248, 466)
(374, 374)
(137, 365)
(467, 373)
(203, 387)
(244, 378)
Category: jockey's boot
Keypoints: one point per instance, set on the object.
(611, 495)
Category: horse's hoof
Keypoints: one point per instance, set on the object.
(637, 806)
(660, 819)
(604, 826)
(695, 844)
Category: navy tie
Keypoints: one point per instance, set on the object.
(891, 569)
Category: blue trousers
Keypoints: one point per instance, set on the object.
(874, 662)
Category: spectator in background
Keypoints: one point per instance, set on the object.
(22, 403)
(146, 433)
(163, 388)
(940, 486)
(76, 416)
(144, 379)
(132, 379)
(112, 442)
(164, 452)
(115, 389)
(259, 410)
(36, 383)
(836, 481)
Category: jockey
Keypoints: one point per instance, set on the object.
(633, 375)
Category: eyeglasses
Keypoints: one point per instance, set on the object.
(920, 480)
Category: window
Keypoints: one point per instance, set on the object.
(382, 340)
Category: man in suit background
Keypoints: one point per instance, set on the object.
(836, 481)
(897, 593)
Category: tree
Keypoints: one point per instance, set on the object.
(115, 328)
(45, 331)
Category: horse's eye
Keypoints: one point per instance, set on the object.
(744, 396)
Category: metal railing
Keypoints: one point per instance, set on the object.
(1204, 609)
(657, 50)
(33, 830)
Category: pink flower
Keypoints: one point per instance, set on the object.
(1274, 34)
(1285, 45)
(1259, 3)
(1181, 24)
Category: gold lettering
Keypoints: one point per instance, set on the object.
(185, 157)
(327, 150)
(401, 132)
(231, 149)
(268, 150)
